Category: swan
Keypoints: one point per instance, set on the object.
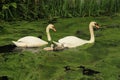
(31, 41)
(72, 41)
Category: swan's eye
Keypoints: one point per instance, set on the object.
(96, 25)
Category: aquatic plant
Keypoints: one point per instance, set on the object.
(98, 61)
(37, 9)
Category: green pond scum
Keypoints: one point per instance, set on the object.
(97, 61)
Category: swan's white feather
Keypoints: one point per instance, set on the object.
(72, 41)
(31, 41)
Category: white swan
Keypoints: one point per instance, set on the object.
(31, 41)
(72, 41)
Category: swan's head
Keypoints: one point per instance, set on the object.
(51, 26)
(94, 24)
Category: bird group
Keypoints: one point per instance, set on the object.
(63, 43)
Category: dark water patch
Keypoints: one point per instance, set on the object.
(12, 48)
(87, 71)
(39, 36)
(67, 68)
(4, 78)
(83, 69)
(7, 48)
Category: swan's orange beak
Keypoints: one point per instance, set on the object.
(54, 29)
(97, 26)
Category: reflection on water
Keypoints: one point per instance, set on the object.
(33, 50)
(13, 48)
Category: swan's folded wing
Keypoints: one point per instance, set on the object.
(32, 41)
(72, 41)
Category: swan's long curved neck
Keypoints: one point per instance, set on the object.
(48, 34)
(92, 38)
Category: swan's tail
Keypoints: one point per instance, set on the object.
(19, 44)
(14, 42)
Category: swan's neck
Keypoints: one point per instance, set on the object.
(48, 34)
(92, 38)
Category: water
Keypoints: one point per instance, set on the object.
(7, 48)
(12, 48)
(4, 78)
